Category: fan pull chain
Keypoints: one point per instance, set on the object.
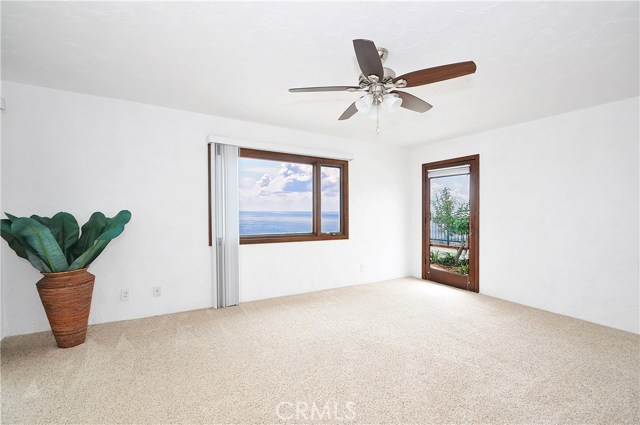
(378, 119)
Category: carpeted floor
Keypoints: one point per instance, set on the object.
(403, 351)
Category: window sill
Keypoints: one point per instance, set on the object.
(248, 240)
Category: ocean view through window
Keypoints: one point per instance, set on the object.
(287, 198)
(277, 222)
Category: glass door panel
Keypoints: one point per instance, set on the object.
(449, 224)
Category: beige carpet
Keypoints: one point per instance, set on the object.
(403, 351)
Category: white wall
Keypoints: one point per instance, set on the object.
(79, 153)
(555, 196)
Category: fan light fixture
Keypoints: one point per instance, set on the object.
(393, 102)
(370, 104)
(364, 103)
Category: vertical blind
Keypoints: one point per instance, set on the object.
(226, 238)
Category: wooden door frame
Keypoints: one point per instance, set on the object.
(474, 218)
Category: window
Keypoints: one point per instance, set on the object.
(290, 198)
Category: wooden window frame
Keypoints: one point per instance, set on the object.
(317, 163)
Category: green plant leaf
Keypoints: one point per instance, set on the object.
(37, 262)
(115, 225)
(14, 241)
(90, 232)
(38, 238)
(113, 229)
(64, 228)
(11, 217)
(42, 220)
(89, 255)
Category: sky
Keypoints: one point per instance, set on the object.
(266, 185)
(459, 186)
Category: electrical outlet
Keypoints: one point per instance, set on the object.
(124, 295)
(156, 291)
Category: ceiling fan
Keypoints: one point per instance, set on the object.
(379, 83)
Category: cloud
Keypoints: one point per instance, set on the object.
(330, 181)
(458, 185)
(291, 169)
(297, 177)
(265, 180)
(285, 187)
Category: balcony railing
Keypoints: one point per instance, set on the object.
(442, 237)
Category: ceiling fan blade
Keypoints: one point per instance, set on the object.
(351, 110)
(409, 101)
(328, 88)
(368, 58)
(439, 73)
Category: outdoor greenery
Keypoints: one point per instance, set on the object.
(55, 244)
(452, 216)
(449, 261)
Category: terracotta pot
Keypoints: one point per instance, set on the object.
(66, 298)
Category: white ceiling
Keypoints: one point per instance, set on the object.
(237, 60)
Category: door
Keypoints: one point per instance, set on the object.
(450, 222)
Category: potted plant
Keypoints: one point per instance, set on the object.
(57, 249)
